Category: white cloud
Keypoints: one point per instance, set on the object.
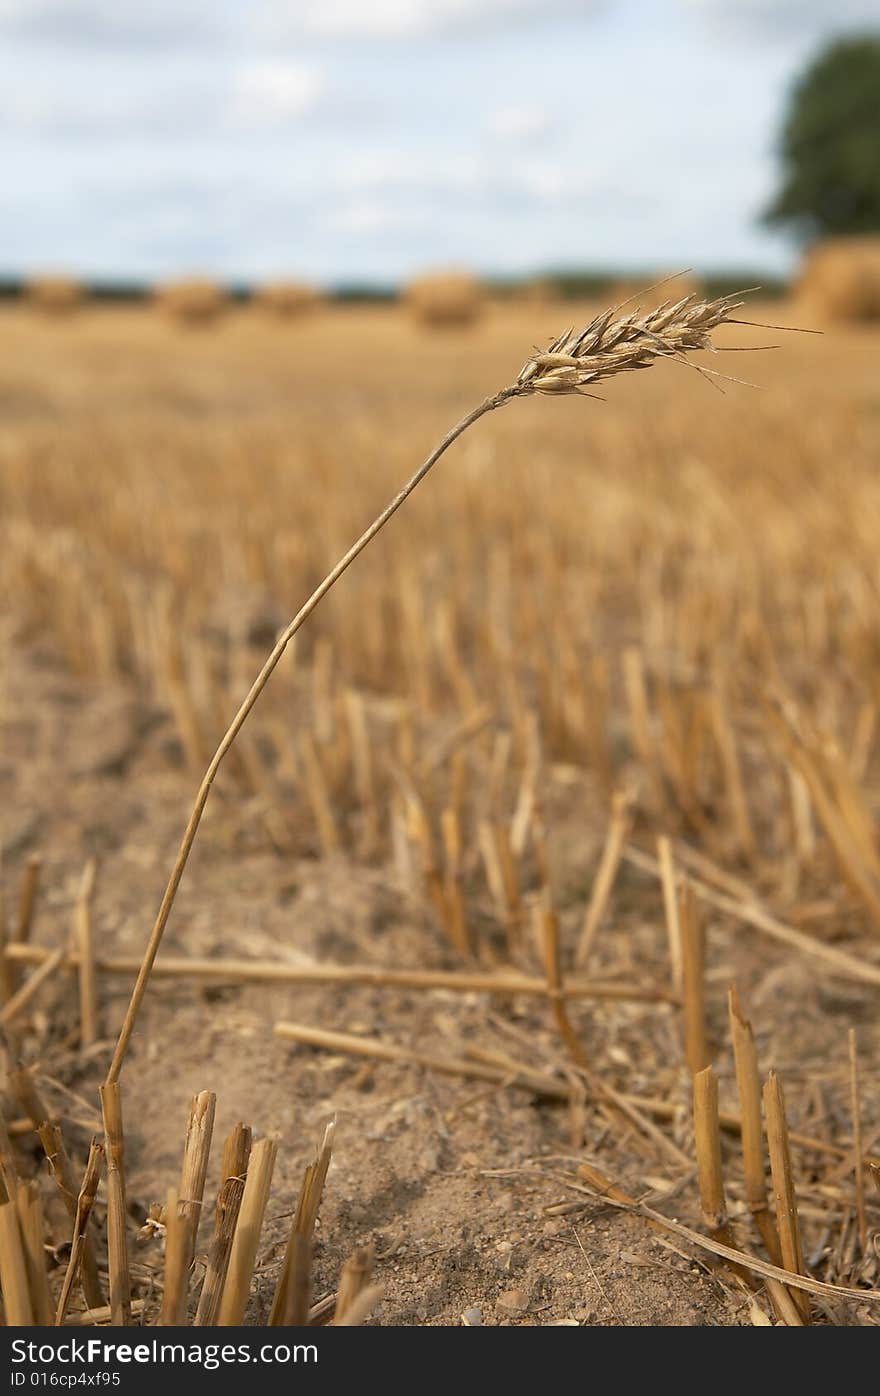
(404, 19)
(519, 123)
(123, 105)
(361, 218)
(274, 92)
(112, 23)
(759, 20)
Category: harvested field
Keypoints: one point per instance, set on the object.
(589, 734)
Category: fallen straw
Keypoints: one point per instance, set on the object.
(802, 1284)
(23, 995)
(89, 1317)
(271, 971)
(573, 363)
(450, 1066)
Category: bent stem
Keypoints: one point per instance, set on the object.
(573, 362)
(241, 716)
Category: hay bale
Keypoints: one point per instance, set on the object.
(840, 279)
(288, 300)
(55, 295)
(644, 294)
(196, 301)
(444, 300)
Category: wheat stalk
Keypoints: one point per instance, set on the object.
(609, 345)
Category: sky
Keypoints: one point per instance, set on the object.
(366, 140)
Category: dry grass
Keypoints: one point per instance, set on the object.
(664, 604)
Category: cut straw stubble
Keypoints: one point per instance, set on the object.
(13, 1266)
(117, 1238)
(693, 964)
(62, 1171)
(671, 909)
(237, 1288)
(707, 1142)
(24, 1088)
(748, 1085)
(236, 1153)
(173, 1311)
(184, 1208)
(609, 863)
(549, 925)
(783, 1186)
(26, 904)
(30, 1216)
(84, 938)
(291, 1293)
(353, 1281)
(194, 1168)
(858, 1164)
(85, 1203)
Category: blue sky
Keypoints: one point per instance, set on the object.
(368, 139)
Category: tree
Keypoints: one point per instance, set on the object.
(831, 144)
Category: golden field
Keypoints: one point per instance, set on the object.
(660, 610)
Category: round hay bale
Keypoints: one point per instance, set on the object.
(196, 301)
(840, 279)
(446, 300)
(287, 300)
(55, 295)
